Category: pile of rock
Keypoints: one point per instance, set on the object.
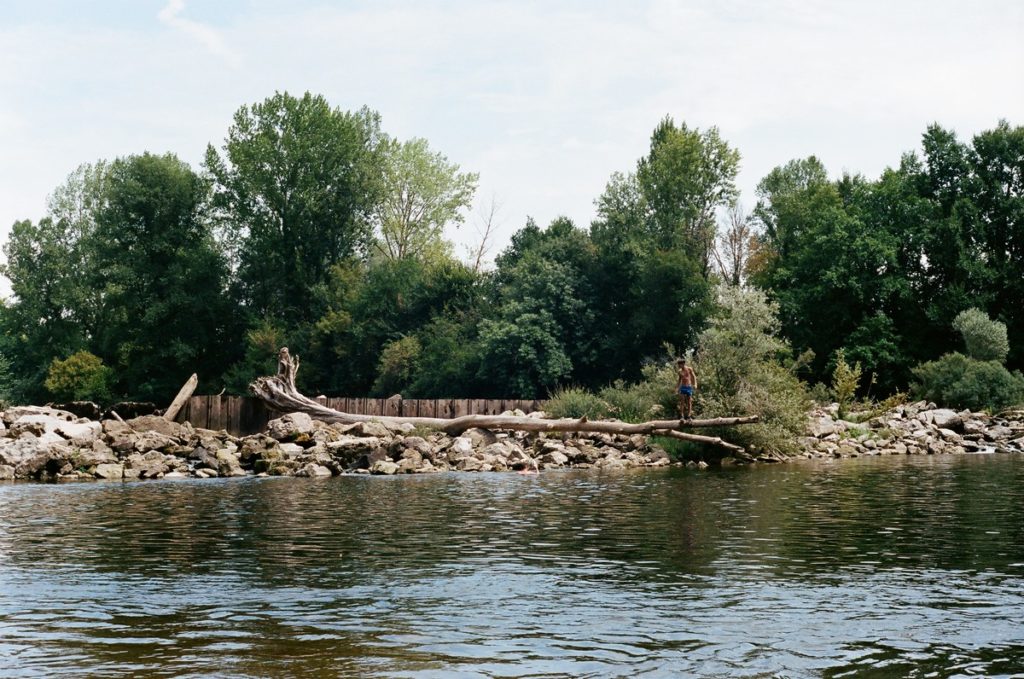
(48, 444)
(913, 429)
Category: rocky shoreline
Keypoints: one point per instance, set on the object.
(913, 429)
(48, 444)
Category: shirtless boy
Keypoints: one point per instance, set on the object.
(685, 386)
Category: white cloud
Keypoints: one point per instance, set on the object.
(209, 37)
(544, 99)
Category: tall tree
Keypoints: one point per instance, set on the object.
(295, 185)
(685, 178)
(422, 192)
(158, 266)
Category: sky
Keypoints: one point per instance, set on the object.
(545, 100)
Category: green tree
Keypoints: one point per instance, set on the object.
(744, 366)
(985, 339)
(80, 377)
(422, 192)
(162, 277)
(295, 187)
(397, 366)
(686, 176)
(521, 355)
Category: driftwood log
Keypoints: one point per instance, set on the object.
(279, 392)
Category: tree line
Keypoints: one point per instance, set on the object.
(310, 227)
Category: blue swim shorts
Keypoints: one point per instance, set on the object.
(686, 389)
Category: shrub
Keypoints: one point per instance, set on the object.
(576, 402)
(845, 380)
(80, 377)
(6, 381)
(741, 370)
(397, 366)
(984, 338)
(960, 381)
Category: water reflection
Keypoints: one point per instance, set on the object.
(892, 567)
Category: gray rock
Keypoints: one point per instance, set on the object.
(376, 429)
(461, 447)
(408, 465)
(386, 467)
(159, 425)
(481, 438)
(821, 426)
(111, 472)
(945, 418)
(290, 427)
(206, 473)
(411, 455)
(291, 450)
(175, 475)
(91, 457)
(228, 464)
(314, 471)
(470, 464)
(419, 444)
(998, 432)
(6, 472)
(554, 458)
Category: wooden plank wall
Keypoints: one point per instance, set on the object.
(244, 415)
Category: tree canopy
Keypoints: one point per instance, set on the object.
(309, 226)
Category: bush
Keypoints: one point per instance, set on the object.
(741, 370)
(397, 367)
(80, 377)
(576, 402)
(984, 338)
(960, 381)
(845, 380)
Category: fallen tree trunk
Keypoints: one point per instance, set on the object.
(184, 394)
(279, 392)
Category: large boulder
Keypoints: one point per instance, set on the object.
(110, 472)
(461, 447)
(228, 465)
(822, 426)
(12, 415)
(290, 427)
(158, 424)
(386, 467)
(376, 429)
(481, 438)
(943, 418)
(314, 471)
(82, 431)
(350, 449)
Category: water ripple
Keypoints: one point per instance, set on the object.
(881, 567)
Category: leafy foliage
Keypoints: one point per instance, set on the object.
(295, 187)
(845, 381)
(422, 192)
(741, 366)
(985, 339)
(398, 365)
(960, 381)
(576, 402)
(80, 377)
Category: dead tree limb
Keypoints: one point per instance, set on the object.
(279, 392)
(182, 398)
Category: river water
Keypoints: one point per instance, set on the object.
(910, 567)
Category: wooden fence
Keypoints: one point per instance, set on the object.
(243, 415)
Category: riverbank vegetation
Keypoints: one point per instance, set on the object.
(311, 227)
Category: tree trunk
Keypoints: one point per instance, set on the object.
(279, 392)
(182, 398)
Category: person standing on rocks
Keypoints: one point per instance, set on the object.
(686, 385)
